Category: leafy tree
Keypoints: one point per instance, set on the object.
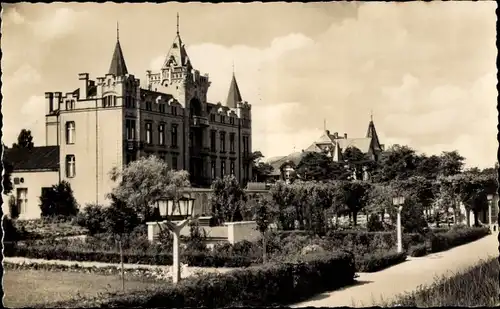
(428, 167)
(93, 218)
(260, 169)
(58, 201)
(396, 163)
(13, 207)
(283, 196)
(318, 166)
(227, 200)
(7, 177)
(380, 199)
(355, 160)
(374, 223)
(264, 216)
(120, 219)
(420, 188)
(451, 163)
(145, 181)
(412, 216)
(24, 140)
(351, 197)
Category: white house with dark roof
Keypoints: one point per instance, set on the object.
(334, 145)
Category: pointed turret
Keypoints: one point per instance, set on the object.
(177, 55)
(372, 133)
(234, 95)
(118, 66)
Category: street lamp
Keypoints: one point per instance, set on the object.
(182, 209)
(490, 202)
(398, 202)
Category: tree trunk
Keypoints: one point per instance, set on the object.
(355, 218)
(467, 217)
(121, 263)
(476, 219)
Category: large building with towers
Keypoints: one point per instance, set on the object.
(113, 120)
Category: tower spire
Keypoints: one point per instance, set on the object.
(177, 23)
(371, 115)
(117, 31)
(324, 124)
(118, 66)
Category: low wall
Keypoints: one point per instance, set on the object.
(231, 232)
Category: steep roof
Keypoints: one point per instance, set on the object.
(177, 55)
(36, 158)
(362, 143)
(234, 95)
(372, 134)
(118, 66)
(293, 158)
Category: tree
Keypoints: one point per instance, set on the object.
(7, 177)
(380, 200)
(227, 200)
(145, 181)
(355, 160)
(58, 201)
(283, 196)
(24, 140)
(451, 163)
(397, 163)
(264, 216)
(92, 218)
(120, 219)
(428, 167)
(351, 197)
(421, 189)
(260, 169)
(318, 166)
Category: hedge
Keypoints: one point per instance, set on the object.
(265, 285)
(200, 259)
(418, 250)
(456, 237)
(378, 261)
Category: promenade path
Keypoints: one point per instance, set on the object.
(407, 276)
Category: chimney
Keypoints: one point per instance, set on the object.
(327, 132)
(57, 100)
(345, 135)
(336, 135)
(84, 85)
(49, 102)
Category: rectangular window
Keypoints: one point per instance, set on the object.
(174, 135)
(245, 145)
(149, 106)
(163, 156)
(70, 166)
(149, 133)
(22, 200)
(161, 134)
(212, 170)
(222, 167)
(231, 120)
(231, 142)
(130, 129)
(222, 119)
(174, 162)
(213, 141)
(162, 108)
(222, 141)
(70, 132)
(212, 117)
(174, 110)
(232, 167)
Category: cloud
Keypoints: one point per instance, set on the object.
(28, 117)
(57, 23)
(24, 76)
(14, 17)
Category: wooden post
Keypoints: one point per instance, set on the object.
(121, 262)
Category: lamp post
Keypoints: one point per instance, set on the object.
(490, 201)
(181, 208)
(398, 202)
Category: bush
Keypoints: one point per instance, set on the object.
(374, 223)
(418, 250)
(58, 201)
(378, 261)
(266, 285)
(93, 218)
(13, 207)
(456, 237)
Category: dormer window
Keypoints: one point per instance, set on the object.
(149, 106)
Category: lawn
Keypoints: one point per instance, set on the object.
(25, 288)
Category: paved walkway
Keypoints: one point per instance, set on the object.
(407, 276)
(187, 271)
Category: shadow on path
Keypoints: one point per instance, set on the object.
(326, 294)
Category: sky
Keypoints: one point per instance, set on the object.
(426, 70)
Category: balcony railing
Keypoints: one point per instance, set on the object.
(200, 121)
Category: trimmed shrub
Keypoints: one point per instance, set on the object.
(378, 261)
(58, 201)
(93, 218)
(266, 285)
(456, 237)
(374, 223)
(418, 250)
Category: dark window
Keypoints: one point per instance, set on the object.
(212, 117)
(222, 167)
(213, 141)
(161, 134)
(174, 110)
(130, 128)
(174, 135)
(162, 108)
(174, 162)
(149, 132)
(149, 106)
(231, 142)
(163, 156)
(212, 170)
(129, 102)
(232, 167)
(231, 120)
(109, 101)
(222, 119)
(222, 141)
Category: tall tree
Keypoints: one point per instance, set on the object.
(227, 200)
(397, 163)
(24, 140)
(58, 201)
(318, 166)
(355, 160)
(260, 169)
(351, 197)
(145, 181)
(283, 196)
(428, 167)
(7, 170)
(451, 163)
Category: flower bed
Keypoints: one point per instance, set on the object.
(265, 285)
(50, 228)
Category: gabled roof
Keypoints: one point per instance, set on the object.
(118, 66)
(372, 133)
(325, 138)
(234, 95)
(292, 158)
(362, 143)
(36, 158)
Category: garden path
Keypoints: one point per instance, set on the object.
(384, 285)
(187, 271)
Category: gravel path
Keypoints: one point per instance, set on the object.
(407, 276)
(187, 271)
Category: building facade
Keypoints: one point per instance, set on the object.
(113, 120)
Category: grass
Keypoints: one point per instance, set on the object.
(24, 288)
(476, 286)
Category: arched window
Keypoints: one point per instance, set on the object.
(70, 132)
